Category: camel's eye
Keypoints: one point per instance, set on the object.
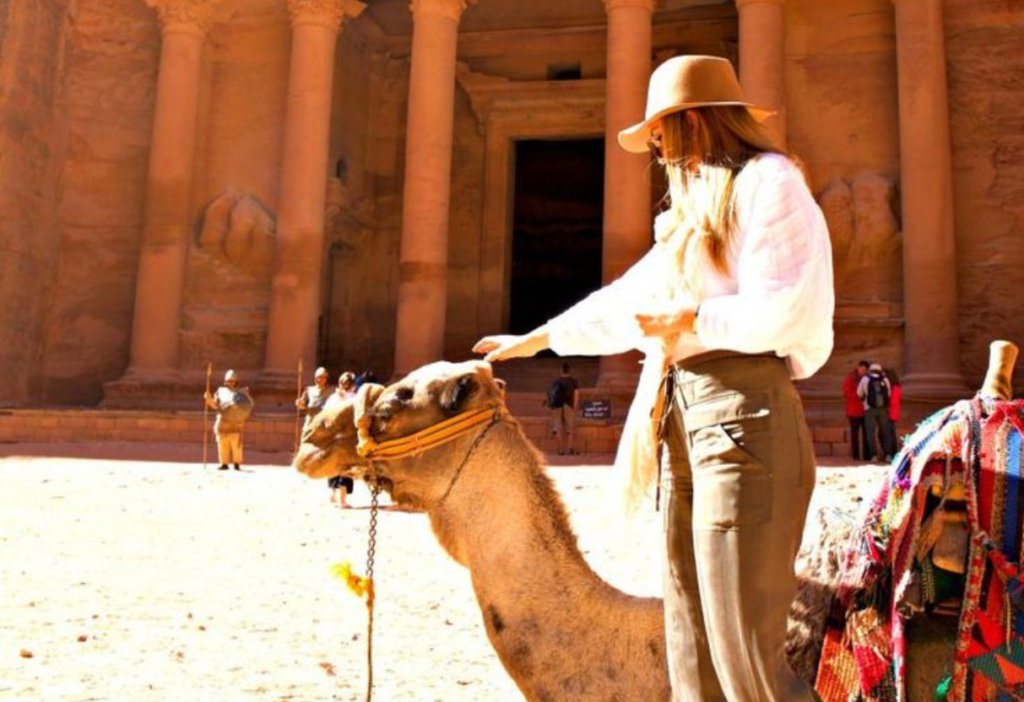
(404, 394)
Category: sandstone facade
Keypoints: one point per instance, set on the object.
(79, 84)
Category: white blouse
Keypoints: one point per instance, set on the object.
(775, 296)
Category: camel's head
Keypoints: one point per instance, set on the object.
(424, 398)
(420, 400)
(328, 446)
(430, 395)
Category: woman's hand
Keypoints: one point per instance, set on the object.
(667, 323)
(504, 346)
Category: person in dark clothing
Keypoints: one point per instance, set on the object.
(874, 390)
(563, 399)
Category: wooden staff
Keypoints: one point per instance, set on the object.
(206, 408)
(298, 412)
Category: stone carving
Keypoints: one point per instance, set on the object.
(240, 229)
(327, 13)
(195, 15)
(496, 98)
(446, 9)
(343, 212)
(836, 203)
(866, 245)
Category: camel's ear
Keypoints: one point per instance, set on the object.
(365, 399)
(457, 392)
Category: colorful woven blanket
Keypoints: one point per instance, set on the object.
(863, 657)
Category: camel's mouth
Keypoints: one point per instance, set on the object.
(322, 462)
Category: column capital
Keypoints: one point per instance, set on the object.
(325, 13)
(740, 4)
(649, 5)
(186, 16)
(446, 9)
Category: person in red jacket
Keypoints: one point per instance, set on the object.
(895, 395)
(855, 412)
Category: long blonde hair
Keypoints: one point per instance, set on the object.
(702, 157)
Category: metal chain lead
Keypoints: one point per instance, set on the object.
(371, 552)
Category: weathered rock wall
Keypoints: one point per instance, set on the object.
(985, 64)
(843, 122)
(227, 288)
(464, 247)
(112, 58)
(32, 139)
(363, 229)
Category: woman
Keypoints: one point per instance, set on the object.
(734, 300)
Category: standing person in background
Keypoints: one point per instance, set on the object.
(563, 400)
(367, 376)
(855, 412)
(314, 397)
(340, 486)
(895, 402)
(734, 300)
(874, 391)
(233, 406)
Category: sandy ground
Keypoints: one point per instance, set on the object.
(129, 572)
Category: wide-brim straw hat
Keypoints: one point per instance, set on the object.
(682, 83)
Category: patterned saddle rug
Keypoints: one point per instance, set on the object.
(893, 571)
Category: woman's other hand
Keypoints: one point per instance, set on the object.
(502, 347)
(667, 323)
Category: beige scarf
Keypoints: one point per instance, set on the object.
(637, 455)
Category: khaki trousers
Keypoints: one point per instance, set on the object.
(742, 470)
(229, 448)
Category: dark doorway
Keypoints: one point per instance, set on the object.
(556, 228)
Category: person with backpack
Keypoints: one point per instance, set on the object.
(233, 406)
(563, 399)
(875, 390)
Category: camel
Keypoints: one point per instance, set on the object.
(560, 631)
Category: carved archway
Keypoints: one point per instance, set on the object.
(508, 111)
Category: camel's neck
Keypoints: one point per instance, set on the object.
(503, 512)
(548, 615)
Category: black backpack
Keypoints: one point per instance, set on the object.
(878, 393)
(556, 394)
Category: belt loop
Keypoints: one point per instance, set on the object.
(680, 385)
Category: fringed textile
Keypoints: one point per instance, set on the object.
(980, 444)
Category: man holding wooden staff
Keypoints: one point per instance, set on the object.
(233, 406)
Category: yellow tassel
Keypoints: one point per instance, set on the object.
(358, 585)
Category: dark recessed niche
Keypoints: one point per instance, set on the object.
(564, 71)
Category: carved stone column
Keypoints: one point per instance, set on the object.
(295, 285)
(627, 186)
(165, 235)
(931, 335)
(422, 289)
(762, 58)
